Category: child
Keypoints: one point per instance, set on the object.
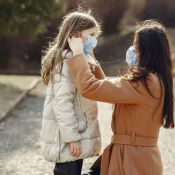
(70, 129)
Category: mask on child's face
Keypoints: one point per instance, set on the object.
(131, 56)
(89, 44)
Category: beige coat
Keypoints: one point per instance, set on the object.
(69, 117)
(137, 118)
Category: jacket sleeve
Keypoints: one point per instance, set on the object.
(63, 108)
(118, 91)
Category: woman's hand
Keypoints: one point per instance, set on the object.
(75, 148)
(76, 45)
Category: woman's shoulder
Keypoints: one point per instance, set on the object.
(154, 80)
(154, 83)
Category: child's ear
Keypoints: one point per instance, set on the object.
(77, 35)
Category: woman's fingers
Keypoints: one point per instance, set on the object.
(76, 45)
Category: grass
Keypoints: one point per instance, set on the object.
(11, 86)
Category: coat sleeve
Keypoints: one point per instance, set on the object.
(118, 91)
(97, 71)
(99, 74)
(64, 109)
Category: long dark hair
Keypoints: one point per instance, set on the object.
(151, 40)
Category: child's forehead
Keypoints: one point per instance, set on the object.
(91, 30)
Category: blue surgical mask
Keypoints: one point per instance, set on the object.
(89, 44)
(131, 56)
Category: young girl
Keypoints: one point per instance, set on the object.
(143, 101)
(70, 129)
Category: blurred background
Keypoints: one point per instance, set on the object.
(27, 26)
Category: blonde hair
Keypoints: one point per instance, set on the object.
(52, 56)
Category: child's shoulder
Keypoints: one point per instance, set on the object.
(66, 54)
(62, 72)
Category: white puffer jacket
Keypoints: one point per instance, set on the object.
(68, 117)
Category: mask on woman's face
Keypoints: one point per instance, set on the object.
(131, 56)
(89, 44)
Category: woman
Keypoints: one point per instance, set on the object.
(143, 101)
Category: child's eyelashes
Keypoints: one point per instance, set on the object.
(93, 34)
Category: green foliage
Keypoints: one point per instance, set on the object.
(28, 17)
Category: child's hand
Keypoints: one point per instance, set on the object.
(75, 148)
(76, 45)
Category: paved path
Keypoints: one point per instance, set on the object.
(19, 139)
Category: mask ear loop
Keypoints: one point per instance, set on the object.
(137, 60)
(85, 36)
